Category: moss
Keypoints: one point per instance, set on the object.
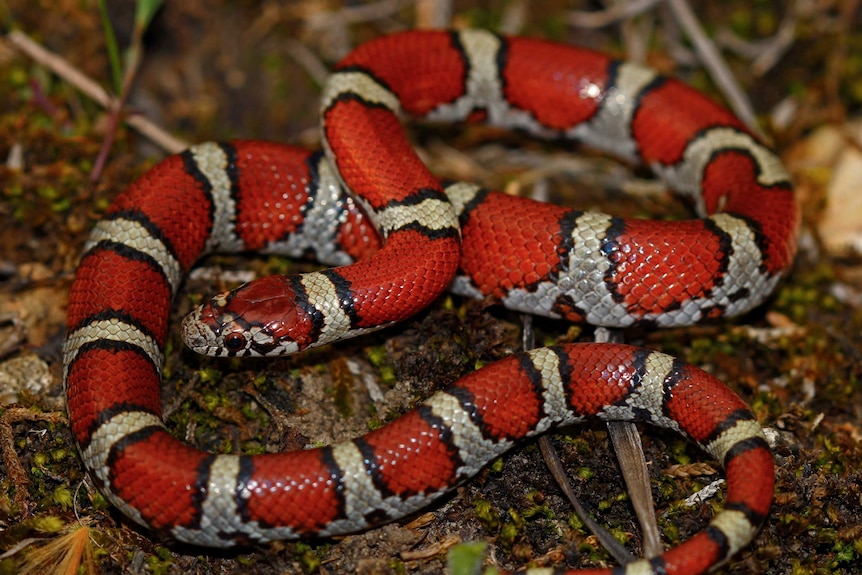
(486, 514)
(379, 358)
(308, 557)
(161, 562)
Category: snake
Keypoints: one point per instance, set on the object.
(399, 238)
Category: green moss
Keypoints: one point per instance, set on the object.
(47, 524)
(535, 511)
(160, 562)
(576, 523)
(379, 358)
(308, 557)
(579, 442)
(249, 411)
(766, 406)
(62, 497)
(486, 514)
(99, 502)
(508, 534)
(830, 458)
(374, 422)
(584, 473)
(39, 460)
(597, 555)
(496, 466)
(670, 530)
(210, 374)
(703, 349)
(679, 452)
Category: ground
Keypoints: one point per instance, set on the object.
(232, 69)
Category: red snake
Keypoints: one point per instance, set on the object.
(580, 266)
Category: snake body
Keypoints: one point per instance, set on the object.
(579, 266)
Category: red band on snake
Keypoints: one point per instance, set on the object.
(561, 263)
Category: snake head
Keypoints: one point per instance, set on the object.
(256, 319)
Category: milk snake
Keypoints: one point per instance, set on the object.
(580, 266)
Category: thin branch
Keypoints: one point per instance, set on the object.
(309, 61)
(62, 68)
(715, 65)
(612, 15)
(763, 53)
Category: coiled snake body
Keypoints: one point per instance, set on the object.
(579, 266)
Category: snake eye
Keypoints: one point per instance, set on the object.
(234, 342)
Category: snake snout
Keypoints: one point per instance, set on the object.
(197, 334)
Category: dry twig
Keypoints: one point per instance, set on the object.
(62, 68)
(616, 13)
(715, 65)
